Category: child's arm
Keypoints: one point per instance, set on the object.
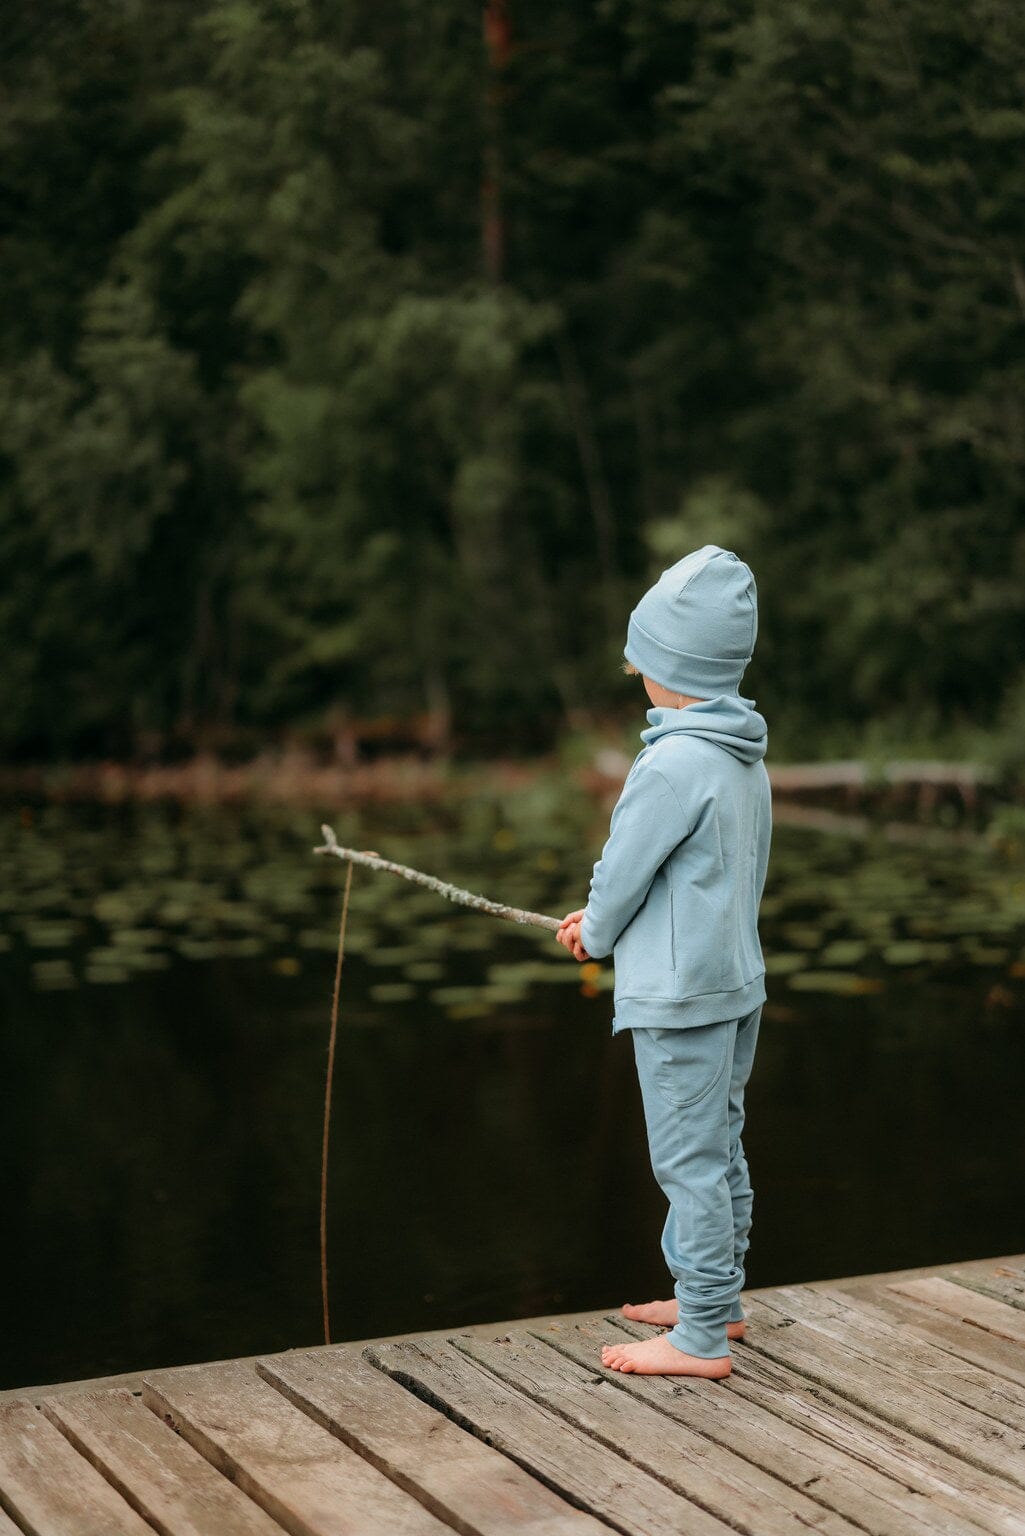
(647, 823)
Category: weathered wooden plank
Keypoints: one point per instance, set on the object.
(841, 1471)
(738, 1491)
(869, 1285)
(156, 1471)
(972, 1343)
(954, 1484)
(454, 1474)
(967, 1306)
(48, 1489)
(8, 1527)
(307, 1480)
(876, 1339)
(888, 1393)
(998, 1284)
(555, 1452)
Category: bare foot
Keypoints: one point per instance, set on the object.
(657, 1357)
(665, 1314)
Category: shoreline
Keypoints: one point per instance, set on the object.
(849, 793)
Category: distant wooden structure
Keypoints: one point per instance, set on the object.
(891, 1404)
(923, 782)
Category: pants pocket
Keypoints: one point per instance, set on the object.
(689, 1062)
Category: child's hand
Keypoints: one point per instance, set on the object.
(568, 934)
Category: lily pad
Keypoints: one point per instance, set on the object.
(107, 973)
(424, 970)
(392, 992)
(783, 963)
(802, 935)
(844, 952)
(478, 1010)
(844, 983)
(55, 935)
(454, 994)
(136, 938)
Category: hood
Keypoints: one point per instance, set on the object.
(730, 720)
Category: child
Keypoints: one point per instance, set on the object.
(674, 897)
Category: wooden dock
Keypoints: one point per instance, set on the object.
(888, 1404)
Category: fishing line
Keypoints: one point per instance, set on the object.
(327, 1103)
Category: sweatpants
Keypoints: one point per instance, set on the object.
(692, 1083)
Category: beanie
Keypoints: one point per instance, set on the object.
(694, 630)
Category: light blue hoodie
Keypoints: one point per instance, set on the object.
(675, 895)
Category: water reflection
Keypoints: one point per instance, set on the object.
(166, 981)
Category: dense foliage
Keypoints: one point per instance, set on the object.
(364, 359)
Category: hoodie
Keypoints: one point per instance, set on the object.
(674, 897)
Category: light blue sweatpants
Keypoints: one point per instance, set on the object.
(692, 1083)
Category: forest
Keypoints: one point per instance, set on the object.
(366, 362)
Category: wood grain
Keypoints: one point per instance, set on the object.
(471, 1485)
(556, 1452)
(161, 1475)
(967, 1306)
(1002, 1284)
(810, 1445)
(305, 1478)
(48, 1489)
(890, 1392)
(942, 1326)
(895, 1349)
(679, 1455)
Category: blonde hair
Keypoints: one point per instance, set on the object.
(630, 669)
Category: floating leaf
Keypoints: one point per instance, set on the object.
(842, 982)
(393, 957)
(197, 949)
(802, 935)
(55, 935)
(136, 938)
(106, 973)
(844, 952)
(504, 992)
(242, 948)
(424, 970)
(782, 964)
(392, 991)
(454, 994)
(905, 952)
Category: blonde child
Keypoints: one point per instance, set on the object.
(674, 899)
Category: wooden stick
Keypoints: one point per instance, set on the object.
(441, 887)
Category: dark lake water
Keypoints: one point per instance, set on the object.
(166, 979)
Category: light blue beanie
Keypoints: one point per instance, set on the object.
(694, 631)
